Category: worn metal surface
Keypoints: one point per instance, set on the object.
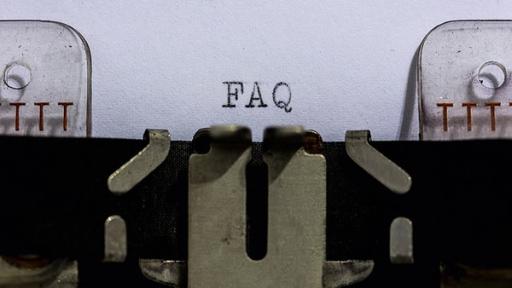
(217, 220)
(375, 163)
(115, 239)
(138, 167)
(67, 278)
(401, 241)
(346, 273)
(55, 274)
(167, 272)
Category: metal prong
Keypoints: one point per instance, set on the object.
(142, 164)
(166, 272)
(401, 241)
(283, 138)
(375, 163)
(230, 133)
(313, 143)
(115, 239)
(346, 273)
(201, 141)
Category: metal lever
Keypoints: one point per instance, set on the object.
(375, 163)
(142, 164)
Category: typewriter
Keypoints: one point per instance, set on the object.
(222, 210)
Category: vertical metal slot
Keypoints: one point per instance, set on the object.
(256, 174)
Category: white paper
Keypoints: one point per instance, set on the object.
(162, 64)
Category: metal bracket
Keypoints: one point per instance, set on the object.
(217, 254)
(142, 164)
(296, 217)
(375, 163)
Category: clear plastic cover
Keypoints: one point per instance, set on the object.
(45, 86)
(464, 81)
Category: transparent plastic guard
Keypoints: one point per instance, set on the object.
(464, 81)
(45, 81)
